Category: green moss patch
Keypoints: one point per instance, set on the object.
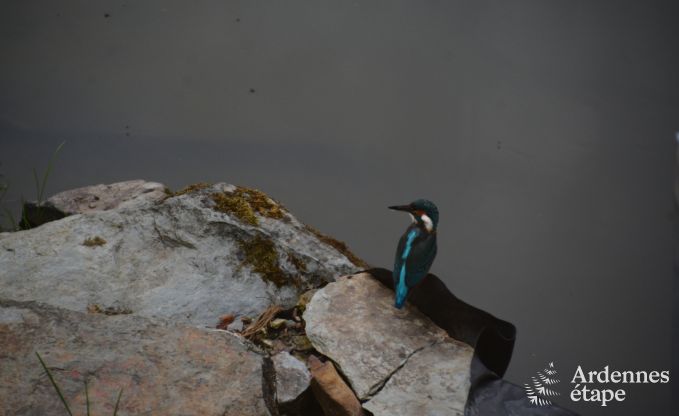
(110, 310)
(234, 205)
(94, 242)
(244, 203)
(192, 188)
(261, 255)
(297, 261)
(260, 203)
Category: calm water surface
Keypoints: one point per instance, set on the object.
(543, 131)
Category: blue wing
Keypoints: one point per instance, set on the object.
(420, 259)
(414, 256)
(398, 259)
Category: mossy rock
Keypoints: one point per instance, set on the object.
(245, 203)
(234, 205)
(261, 254)
(190, 189)
(297, 261)
(248, 204)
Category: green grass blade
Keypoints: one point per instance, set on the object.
(37, 184)
(87, 399)
(23, 212)
(50, 165)
(54, 384)
(115, 411)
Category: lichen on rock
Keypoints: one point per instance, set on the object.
(261, 254)
(233, 205)
(297, 261)
(190, 189)
(260, 202)
(94, 241)
(244, 203)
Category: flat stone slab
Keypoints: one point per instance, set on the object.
(353, 321)
(163, 368)
(433, 382)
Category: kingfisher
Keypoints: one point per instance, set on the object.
(416, 248)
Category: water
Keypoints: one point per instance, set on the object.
(543, 131)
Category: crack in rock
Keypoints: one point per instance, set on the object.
(434, 381)
(377, 387)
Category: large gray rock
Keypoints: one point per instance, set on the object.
(163, 368)
(190, 257)
(398, 361)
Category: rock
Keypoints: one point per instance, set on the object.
(332, 393)
(90, 199)
(191, 257)
(163, 368)
(292, 378)
(235, 326)
(355, 323)
(104, 197)
(385, 352)
(434, 381)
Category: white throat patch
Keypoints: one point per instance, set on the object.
(428, 224)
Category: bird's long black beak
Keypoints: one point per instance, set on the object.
(405, 208)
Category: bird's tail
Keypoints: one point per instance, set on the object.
(401, 295)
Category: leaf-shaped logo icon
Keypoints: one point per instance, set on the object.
(537, 391)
